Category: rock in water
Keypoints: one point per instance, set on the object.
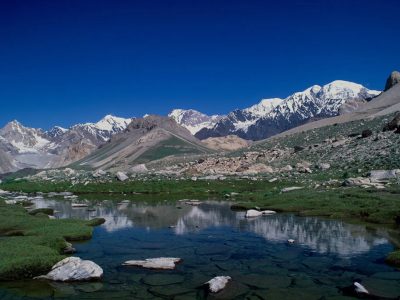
(360, 289)
(218, 283)
(252, 213)
(122, 176)
(393, 79)
(74, 269)
(163, 263)
(268, 212)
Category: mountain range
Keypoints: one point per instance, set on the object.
(131, 139)
(24, 147)
(275, 115)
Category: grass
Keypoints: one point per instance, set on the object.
(31, 244)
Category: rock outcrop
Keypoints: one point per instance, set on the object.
(393, 79)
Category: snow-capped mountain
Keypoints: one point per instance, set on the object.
(193, 120)
(272, 116)
(22, 147)
(24, 139)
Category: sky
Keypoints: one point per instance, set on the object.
(66, 62)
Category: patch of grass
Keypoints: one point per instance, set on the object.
(46, 211)
(31, 245)
(393, 258)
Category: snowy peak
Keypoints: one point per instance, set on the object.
(112, 123)
(193, 120)
(56, 132)
(105, 128)
(263, 107)
(24, 139)
(340, 89)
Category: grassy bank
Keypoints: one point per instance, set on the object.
(30, 245)
(366, 205)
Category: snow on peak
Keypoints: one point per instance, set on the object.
(110, 123)
(193, 120)
(345, 89)
(263, 107)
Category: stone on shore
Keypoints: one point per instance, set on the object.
(74, 269)
(162, 263)
(121, 176)
(292, 188)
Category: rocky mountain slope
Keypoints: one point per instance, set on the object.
(272, 116)
(193, 120)
(145, 139)
(24, 147)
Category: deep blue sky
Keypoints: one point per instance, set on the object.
(63, 62)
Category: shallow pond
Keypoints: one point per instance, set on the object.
(214, 240)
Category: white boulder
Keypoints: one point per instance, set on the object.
(252, 213)
(360, 289)
(218, 283)
(383, 174)
(139, 169)
(121, 176)
(268, 212)
(74, 269)
(291, 188)
(163, 263)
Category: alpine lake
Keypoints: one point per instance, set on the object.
(212, 239)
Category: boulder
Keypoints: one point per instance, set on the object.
(383, 174)
(268, 212)
(139, 169)
(218, 283)
(74, 269)
(393, 124)
(163, 263)
(303, 167)
(252, 213)
(356, 181)
(287, 168)
(291, 188)
(324, 166)
(366, 133)
(121, 176)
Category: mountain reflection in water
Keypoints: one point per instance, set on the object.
(320, 235)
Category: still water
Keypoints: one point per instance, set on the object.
(214, 240)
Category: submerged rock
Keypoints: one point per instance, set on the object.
(163, 263)
(218, 283)
(74, 269)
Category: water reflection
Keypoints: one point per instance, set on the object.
(320, 235)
